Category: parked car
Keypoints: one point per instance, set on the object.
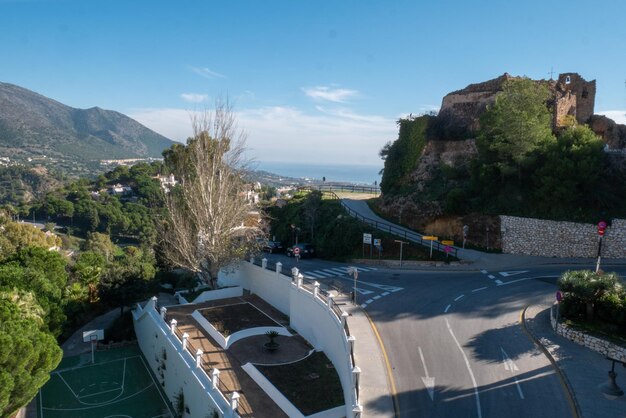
(272, 247)
(306, 250)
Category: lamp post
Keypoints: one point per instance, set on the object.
(610, 390)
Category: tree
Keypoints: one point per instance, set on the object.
(516, 124)
(27, 354)
(588, 287)
(89, 268)
(101, 244)
(19, 235)
(204, 229)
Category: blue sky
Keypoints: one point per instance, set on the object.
(321, 82)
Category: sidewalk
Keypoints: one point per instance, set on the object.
(376, 394)
(583, 369)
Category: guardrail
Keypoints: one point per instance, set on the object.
(414, 237)
(344, 188)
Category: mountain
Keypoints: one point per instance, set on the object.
(34, 125)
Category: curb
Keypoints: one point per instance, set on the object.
(562, 377)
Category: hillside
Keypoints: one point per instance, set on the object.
(507, 146)
(32, 125)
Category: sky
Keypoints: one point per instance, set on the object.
(311, 82)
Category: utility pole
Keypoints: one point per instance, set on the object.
(401, 246)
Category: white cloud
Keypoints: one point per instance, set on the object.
(618, 116)
(194, 97)
(285, 134)
(329, 94)
(206, 72)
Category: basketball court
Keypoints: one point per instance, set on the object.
(117, 385)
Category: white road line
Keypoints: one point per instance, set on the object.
(499, 282)
(423, 361)
(364, 306)
(385, 294)
(491, 276)
(338, 270)
(479, 289)
(313, 275)
(369, 301)
(344, 269)
(458, 298)
(483, 271)
(329, 271)
(377, 297)
(447, 307)
(469, 369)
(523, 280)
(519, 389)
(321, 273)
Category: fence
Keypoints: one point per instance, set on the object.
(408, 235)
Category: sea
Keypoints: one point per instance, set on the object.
(358, 174)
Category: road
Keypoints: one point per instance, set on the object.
(454, 339)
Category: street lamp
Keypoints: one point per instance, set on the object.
(610, 390)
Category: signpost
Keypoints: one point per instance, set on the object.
(559, 298)
(296, 253)
(367, 239)
(448, 246)
(93, 336)
(465, 231)
(601, 230)
(355, 273)
(401, 245)
(430, 238)
(378, 244)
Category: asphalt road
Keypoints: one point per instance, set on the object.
(454, 339)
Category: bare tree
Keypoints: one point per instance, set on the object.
(205, 231)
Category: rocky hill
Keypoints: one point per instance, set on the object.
(437, 177)
(34, 125)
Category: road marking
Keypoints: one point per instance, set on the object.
(340, 270)
(479, 289)
(508, 363)
(491, 276)
(311, 275)
(321, 273)
(458, 298)
(364, 305)
(469, 369)
(385, 293)
(428, 381)
(499, 282)
(519, 389)
(512, 273)
(447, 307)
(483, 271)
(523, 280)
(369, 301)
(377, 297)
(390, 379)
(363, 291)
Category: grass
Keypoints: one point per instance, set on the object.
(232, 318)
(312, 384)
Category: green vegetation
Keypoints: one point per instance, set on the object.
(401, 157)
(312, 384)
(523, 168)
(595, 301)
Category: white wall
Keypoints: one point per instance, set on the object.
(310, 317)
(229, 292)
(153, 337)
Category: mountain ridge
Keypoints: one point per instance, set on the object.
(33, 124)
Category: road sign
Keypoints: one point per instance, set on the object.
(367, 238)
(465, 231)
(296, 250)
(559, 296)
(447, 242)
(377, 242)
(447, 249)
(430, 238)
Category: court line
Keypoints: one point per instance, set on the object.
(158, 389)
(92, 365)
(103, 404)
(101, 393)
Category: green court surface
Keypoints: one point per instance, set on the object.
(118, 385)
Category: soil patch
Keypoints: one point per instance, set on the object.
(312, 384)
(232, 318)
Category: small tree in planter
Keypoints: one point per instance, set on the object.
(271, 345)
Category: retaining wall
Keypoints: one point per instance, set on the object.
(545, 238)
(599, 345)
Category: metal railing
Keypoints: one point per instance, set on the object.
(329, 187)
(385, 226)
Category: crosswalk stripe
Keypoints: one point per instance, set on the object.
(340, 271)
(330, 271)
(323, 274)
(314, 275)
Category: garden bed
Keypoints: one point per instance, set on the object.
(232, 318)
(311, 385)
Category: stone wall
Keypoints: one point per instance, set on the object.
(599, 345)
(560, 239)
